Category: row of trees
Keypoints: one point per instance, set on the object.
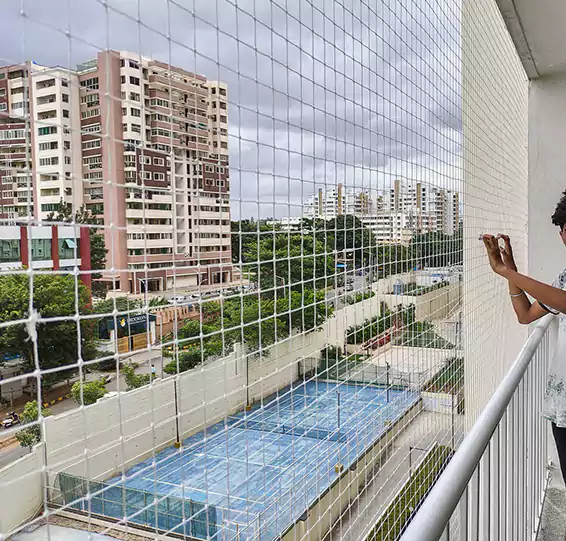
(253, 240)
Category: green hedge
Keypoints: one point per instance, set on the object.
(398, 514)
(450, 378)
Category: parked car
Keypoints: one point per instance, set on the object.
(177, 300)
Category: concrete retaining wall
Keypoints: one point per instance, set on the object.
(439, 402)
(434, 305)
(21, 490)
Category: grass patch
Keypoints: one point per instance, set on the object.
(450, 379)
(400, 511)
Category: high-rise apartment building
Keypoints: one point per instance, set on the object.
(338, 200)
(143, 145)
(433, 208)
(395, 214)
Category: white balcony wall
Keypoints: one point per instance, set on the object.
(547, 163)
(495, 188)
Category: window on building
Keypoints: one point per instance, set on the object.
(158, 176)
(67, 145)
(124, 111)
(41, 248)
(134, 96)
(91, 100)
(134, 80)
(158, 161)
(64, 83)
(146, 160)
(65, 98)
(90, 113)
(91, 83)
(2, 92)
(91, 128)
(135, 112)
(68, 249)
(51, 145)
(9, 250)
(136, 128)
(67, 160)
(93, 143)
(123, 79)
(49, 161)
(65, 113)
(134, 64)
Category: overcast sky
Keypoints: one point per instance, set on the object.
(320, 91)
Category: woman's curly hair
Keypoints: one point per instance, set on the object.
(559, 216)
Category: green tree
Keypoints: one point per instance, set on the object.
(58, 342)
(133, 380)
(158, 301)
(98, 251)
(31, 435)
(242, 235)
(188, 359)
(123, 304)
(91, 391)
(437, 249)
(348, 233)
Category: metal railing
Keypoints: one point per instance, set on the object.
(494, 486)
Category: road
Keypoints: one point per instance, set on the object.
(145, 359)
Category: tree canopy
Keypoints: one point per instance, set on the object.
(64, 213)
(30, 435)
(58, 342)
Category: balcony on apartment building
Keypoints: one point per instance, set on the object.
(504, 481)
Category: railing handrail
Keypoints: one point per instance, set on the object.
(432, 518)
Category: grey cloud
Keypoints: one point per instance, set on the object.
(317, 88)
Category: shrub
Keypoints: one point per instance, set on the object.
(133, 380)
(91, 391)
(31, 435)
(188, 359)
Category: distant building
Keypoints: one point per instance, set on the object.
(56, 247)
(394, 215)
(142, 144)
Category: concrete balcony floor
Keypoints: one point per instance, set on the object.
(553, 524)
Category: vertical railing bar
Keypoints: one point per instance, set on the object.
(463, 515)
(503, 463)
(474, 504)
(510, 472)
(494, 487)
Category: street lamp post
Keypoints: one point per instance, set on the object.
(387, 367)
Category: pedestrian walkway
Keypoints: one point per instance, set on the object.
(405, 452)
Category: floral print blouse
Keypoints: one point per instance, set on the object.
(554, 408)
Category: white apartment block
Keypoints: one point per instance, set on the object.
(394, 215)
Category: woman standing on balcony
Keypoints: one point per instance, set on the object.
(550, 299)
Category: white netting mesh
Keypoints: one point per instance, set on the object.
(236, 238)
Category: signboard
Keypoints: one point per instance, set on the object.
(142, 318)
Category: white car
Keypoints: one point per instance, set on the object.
(177, 300)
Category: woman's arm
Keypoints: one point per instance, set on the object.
(525, 311)
(552, 297)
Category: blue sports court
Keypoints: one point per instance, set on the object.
(258, 471)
